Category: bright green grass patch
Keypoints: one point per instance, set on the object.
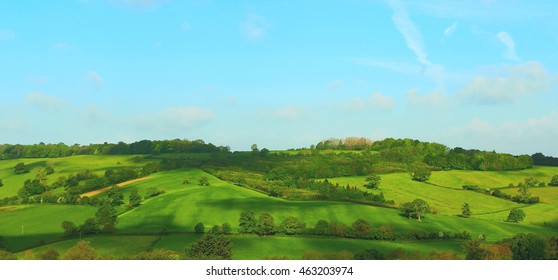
(63, 167)
(250, 247)
(109, 247)
(183, 206)
(546, 194)
(491, 179)
(400, 188)
(31, 225)
(537, 214)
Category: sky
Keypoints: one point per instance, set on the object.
(285, 74)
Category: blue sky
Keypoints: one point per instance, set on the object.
(282, 74)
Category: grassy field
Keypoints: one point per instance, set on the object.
(26, 226)
(400, 188)
(244, 247)
(62, 166)
(183, 206)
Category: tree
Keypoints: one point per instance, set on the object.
(474, 250)
(70, 229)
(321, 227)
(50, 254)
(254, 149)
(115, 196)
(20, 168)
(527, 247)
(516, 215)
(247, 222)
(90, 226)
(292, 225)
(415, 209)
(135, 199)
(106, 218)
(82, 251)
(421, 174)
(466, 211)
(373, 182)
(361, 228)
(265, 225)
(203, 181)
(199, 228)
(211, 247)
(554, 181)
(524, 188)
(226, 228)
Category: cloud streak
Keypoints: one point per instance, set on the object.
(254, 27)
(507, 40)
(450, 29)
(376, 101)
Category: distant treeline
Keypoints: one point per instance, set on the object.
(42, 150)
(540, 159)
(409, 151)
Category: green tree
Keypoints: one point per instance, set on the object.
(247, 222)
(321, 227)
(90, 226)
(527, 247)
(474, 250)
(211, 247)
(265, 225)
(553, 181)
(20, 168)
(292, 225)
(516, 215)
(106, 218)
(135, 199)
(373, 182)
(415, 209)
(524, 188)
(115, 196)
(199, 228)
(70, 229)
(466, 211)
(420, 174)
(82, 251)
(226, 228)
(203, 181)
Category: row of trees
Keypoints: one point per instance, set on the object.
(43, 150)
(520, 247)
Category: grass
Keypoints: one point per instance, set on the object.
(183, 206)
(31, 225)
(63, 167)
(246, 247)
(400, 188)
(491, 179)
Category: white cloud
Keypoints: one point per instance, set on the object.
(376, 101)
(6, 35)
(517, 81)
(254, 27)
(401, 67)
(517, 137)
(46, 102)
(94, 78)
(450, 29)
(285, 113)
(428, 101)
(507, 40)
(335, 85)
(413, 39)
(173, 119)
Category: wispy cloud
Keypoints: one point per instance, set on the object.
(517, 81)
(450, 29)
(401, 67)
(173, 119)
(254, 27)
(285, 113)
(335, 85)
(94, 78)
(413, 39)
(6, 35)
(376, 101)
(507, 40)
(428, 101)
(46, 102)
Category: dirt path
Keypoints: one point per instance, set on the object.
(92, 193)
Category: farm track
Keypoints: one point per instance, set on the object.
(95, 192)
